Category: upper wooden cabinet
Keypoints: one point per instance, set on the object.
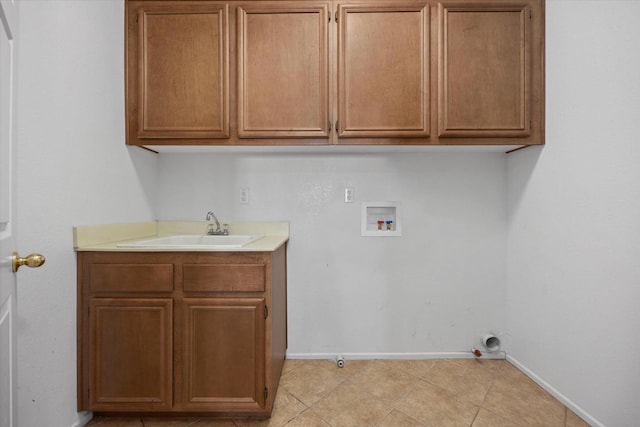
(177, 71)
(335, 72)
(383, 69)
(283, 70)
(486, 71)
(283, 74)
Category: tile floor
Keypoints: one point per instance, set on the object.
(395, 393)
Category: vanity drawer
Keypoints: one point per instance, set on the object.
(131, 277)
(223, 277)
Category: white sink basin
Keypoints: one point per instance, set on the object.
(191, 241)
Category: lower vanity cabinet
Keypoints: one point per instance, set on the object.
(223, 354)
(131, 353)
(181, 332)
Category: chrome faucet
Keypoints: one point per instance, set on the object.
(218, 231)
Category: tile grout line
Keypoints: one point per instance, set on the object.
(306, 407)
(475, 416)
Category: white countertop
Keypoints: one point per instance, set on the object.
(107, 237)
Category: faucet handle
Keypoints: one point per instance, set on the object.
(225, 229)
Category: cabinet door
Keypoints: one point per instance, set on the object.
(283, 70)
(130, 354)
(224, 354)
(383, 70)
(484, 69)
(177, 72)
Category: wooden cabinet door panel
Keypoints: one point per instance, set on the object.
(224, 353)
(132, 353)
(484, 70)
(383, 70)
(183, 66)
(223, 277)
(283, 81)
(131, 277)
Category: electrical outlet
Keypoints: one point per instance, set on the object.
(348, 194)
(244, 196)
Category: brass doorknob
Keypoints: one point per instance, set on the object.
(33, 261)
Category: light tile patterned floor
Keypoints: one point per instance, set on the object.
(395, 393)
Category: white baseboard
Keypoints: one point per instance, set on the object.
(83, 418)
(555, 393)
(399, 356)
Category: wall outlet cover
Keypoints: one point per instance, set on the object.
(348, 194)
(244, 196)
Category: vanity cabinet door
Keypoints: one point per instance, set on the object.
(383, 70)
(131, 354)
(283, 80)
(223, 354)
(177, 83)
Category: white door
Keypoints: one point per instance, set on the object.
(8, 22)
(8, 18)
(8, 227)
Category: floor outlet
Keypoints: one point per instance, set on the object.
(244, 196)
